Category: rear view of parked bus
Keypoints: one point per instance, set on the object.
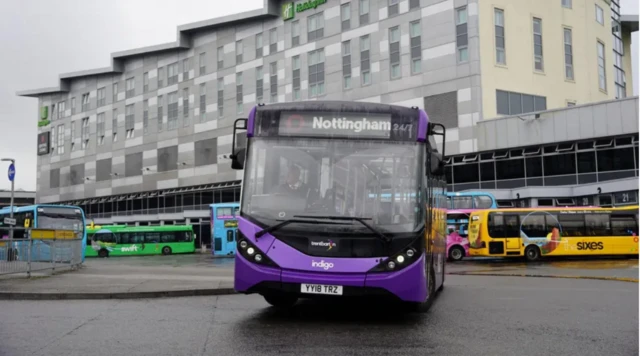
(340, 199)
(224, 225)
(536, 233)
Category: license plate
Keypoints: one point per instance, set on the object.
(320, 289)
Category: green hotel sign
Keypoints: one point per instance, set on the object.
(289, 9)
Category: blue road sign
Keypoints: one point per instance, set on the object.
(11, 172)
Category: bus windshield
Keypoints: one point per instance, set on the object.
(376, 180)
(60, 219)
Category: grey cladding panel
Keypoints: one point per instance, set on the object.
(168, 159)
(76, 174)
(54, 178)
(206, 152)
(103, 170)
(133, 164)
(443, 108)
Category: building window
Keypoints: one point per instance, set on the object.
(414, 4)
(273, 81)
(54, 113)
(501, 53)
(537, 44)
(160, 77)
(61, 139)
(316, 73)
(510, 103)
(86, 104)
(295, 64)
(115, 92)
(259, 84)
(315, 26)
(145, 117)
(259, 45)
(130, 88)
(203, 64)
(85, 132)
(602, 71)
(62, 107)
(185, 107)
(273, 41)
(172, 73)
(129, 120)
(239, 95)
(415, 33)
(345, 16)
(220, 54)
(566, 4)
(203, 102)
(462, 39)
(295, 33)
(571, 103)
(394, 52)
(102, 97)
(172, 111)
(220, 97)
(160, 112)
(365, 62)
(364, 12)
(73, 135)
(346, 64)
(618, 51)
(53, 140)
(599, 15)
(145, 82)
(393, 7)
(73, 105)
(568, 54)
(100, 128)
(185, 69)
(239, 51)
(114, 125)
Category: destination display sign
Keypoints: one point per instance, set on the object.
(231, 223)
(346, 124)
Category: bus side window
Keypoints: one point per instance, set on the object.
(623, 225)
(496, 225)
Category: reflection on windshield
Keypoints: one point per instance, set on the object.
(61, 222)
(377, 180)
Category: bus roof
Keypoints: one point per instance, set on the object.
(121, 228)
(230, 205)
(553, 208)
(19, 209)
(469, 194)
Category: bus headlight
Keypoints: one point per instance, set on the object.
(398, 261)
(252, 253)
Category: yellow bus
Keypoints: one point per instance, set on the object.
(538, 232)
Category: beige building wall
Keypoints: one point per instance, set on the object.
(519, 74)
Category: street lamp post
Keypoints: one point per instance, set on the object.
(11, 174)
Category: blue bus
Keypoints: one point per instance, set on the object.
(57, 217)
(224, 225)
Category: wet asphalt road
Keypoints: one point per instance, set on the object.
(474, 315)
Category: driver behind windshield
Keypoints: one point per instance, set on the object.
(293, 185)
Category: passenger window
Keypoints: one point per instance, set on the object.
(482, 202)
(462, 203)
(597, 224)
(572, 224)
(534, 225)
(623, 225)
(512, 226)
(496, 226)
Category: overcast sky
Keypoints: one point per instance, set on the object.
(42, 38)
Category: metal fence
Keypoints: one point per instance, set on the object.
(39, 250)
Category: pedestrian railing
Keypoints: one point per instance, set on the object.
(39, 250)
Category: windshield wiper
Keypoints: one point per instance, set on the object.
(310, 220)
(377, 232)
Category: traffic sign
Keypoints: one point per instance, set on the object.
(9, 221)
(11, 172)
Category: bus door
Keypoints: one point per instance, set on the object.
(512, 234)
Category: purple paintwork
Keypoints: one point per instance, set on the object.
(296, 267)
(423, 122)
(251, 122)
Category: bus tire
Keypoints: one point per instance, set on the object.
(431, 289)
(532, 253)
(103, 253)
(456, 253)
(281, 300)
(166, 250)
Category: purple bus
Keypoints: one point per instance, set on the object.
(313, 220)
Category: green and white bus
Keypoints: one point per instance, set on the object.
(120, 240)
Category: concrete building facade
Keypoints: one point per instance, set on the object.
(145, 140)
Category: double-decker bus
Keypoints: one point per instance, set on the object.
(462, 204)
(224, 225)
(41, 216)
(535, 233)
(121, 240)
(340, 199)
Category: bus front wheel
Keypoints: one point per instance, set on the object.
(532, 253)
(103, 253)
(166, 250)
(456, 253)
